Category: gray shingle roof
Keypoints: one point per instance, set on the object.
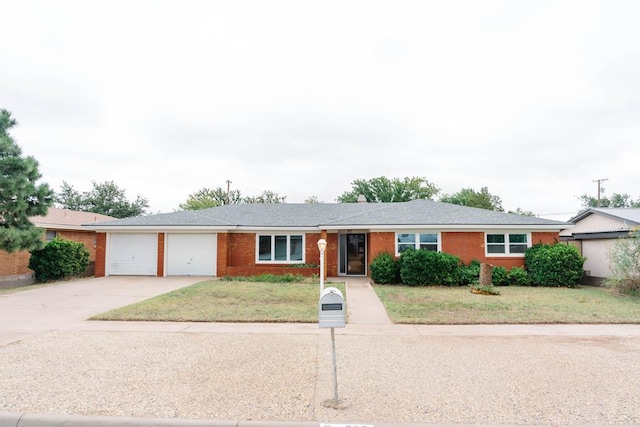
(416, 212)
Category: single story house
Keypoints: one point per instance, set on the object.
(250, 239)
(63, 223)
(594, 231)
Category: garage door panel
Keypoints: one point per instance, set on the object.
(191, 254)
(133, 254)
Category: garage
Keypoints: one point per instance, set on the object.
(191, 254)
(132, 254)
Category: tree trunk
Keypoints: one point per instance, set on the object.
(485, 274)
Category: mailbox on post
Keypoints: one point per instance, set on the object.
(331, 309)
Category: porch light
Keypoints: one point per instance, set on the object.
(322, 245)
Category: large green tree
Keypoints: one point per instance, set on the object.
(267, 196)
(104, 198)
(209, 198)
(475, 199)
(615, 201)
(383, 189)
(21, 197)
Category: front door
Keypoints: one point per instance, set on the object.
(353, 254)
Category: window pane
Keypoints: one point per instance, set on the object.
(517, 249)
(429, 247)
(495, 249)
(264, 248)
(406, 238)
(495, 238)
(517, 238)
(295, 251)
(404, 247)
(428, 238)
(281, 248)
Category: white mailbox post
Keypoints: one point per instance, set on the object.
(331, 314)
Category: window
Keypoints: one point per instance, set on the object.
(51, 234)
(281, 248)
(507, 244)
(428, 241)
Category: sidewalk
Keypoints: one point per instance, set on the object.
(279, 375)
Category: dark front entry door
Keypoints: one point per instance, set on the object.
(353, 254)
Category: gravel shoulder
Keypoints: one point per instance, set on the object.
(287, 377)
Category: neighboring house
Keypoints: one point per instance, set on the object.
(594, 231)
(63, 223)
(250, 239)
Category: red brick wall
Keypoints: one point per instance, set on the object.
(465, 245)
(240, 251)
(101, 253)
(14, 264)
(548, 238)
(160, 270)
(380, 242)
(222, 254)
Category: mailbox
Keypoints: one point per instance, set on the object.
(331, 309)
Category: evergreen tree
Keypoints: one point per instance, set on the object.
(21, 197)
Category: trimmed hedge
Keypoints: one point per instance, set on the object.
(423, 267)
(554, 265)
(59, 259)
(383, 269)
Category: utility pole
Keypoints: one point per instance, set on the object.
(228, 187)
(600, 189)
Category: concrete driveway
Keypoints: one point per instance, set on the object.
(31, 312)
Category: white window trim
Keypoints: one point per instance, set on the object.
(417, 240)
(506, 244)
(273, 248)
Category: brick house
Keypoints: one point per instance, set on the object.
(249, 239)
(63, 223)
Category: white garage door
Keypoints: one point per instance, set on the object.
(133, 254)
(191, 254)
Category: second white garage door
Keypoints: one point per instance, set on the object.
(191, 254)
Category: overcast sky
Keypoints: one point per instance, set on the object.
(533, 99)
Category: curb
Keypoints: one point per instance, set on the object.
(10, 419)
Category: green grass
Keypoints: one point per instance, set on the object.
(229, 301)
(456, 305)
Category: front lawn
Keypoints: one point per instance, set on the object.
(456, 305)
(229, 301)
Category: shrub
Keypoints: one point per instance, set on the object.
(499, 276)
(518, 276)
(59, 259)
(554, 265)
(467, 274)
(383, 269)
(423, 267)
(624, 260)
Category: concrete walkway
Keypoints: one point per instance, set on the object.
(363, 305)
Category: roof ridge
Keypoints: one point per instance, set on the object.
(196, 212)
(387, 205)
